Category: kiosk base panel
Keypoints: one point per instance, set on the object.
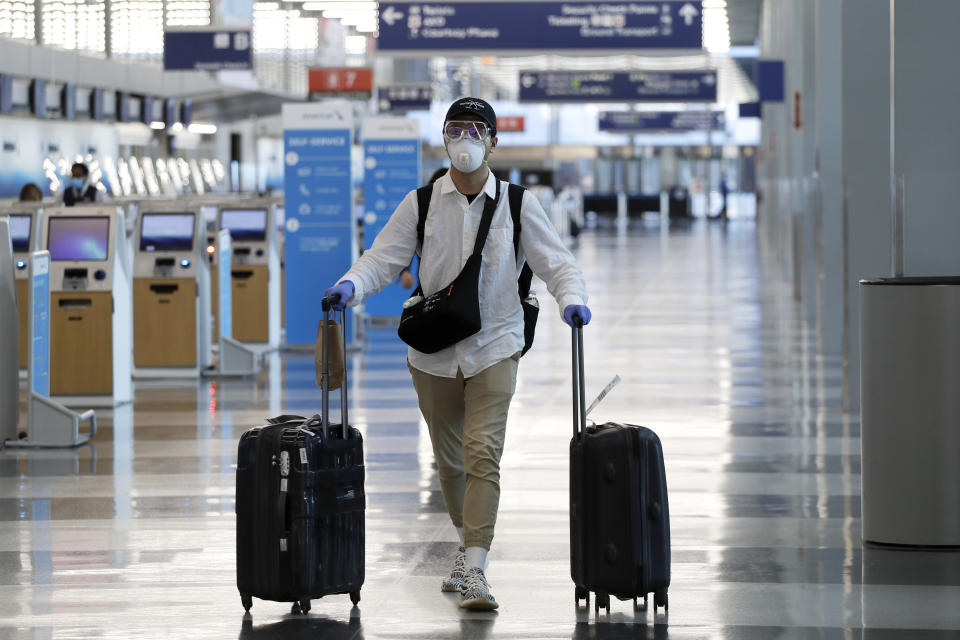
(165, 322)
(81, 343)
(251, 304)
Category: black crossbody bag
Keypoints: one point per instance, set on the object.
(451, 314)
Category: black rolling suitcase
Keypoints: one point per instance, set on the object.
(300, 506)
(619, 520)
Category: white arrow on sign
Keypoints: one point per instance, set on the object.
(688, 12)
(528, 81)
(391, 15)
(708, 80)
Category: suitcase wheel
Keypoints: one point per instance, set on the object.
(660, 600)
(355, 597)
(581, 594)
(300, 608)
(642, 607)
(247, 602)
(601, 601)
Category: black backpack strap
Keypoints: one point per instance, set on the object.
(424, 194)
(515, 196)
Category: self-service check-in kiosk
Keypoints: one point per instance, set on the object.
(9, 374)
(255, 272)
(24, 236)
(91, 314)
(171, 293)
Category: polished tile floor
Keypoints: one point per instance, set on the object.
(134, 537)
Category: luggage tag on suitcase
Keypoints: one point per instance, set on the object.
(603, 394)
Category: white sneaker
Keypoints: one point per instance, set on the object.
(454, 581)
(475, 594)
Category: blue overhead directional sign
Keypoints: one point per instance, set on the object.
(630, 121)
(539, 26)
(207, 49)
(404, 97)
(626, 86)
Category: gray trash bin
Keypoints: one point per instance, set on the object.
(910, 410)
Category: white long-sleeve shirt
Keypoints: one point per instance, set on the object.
(449, 237)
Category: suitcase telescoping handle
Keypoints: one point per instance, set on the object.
(579, 392)
(327, 305)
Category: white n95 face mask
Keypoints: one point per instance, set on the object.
(466, 155)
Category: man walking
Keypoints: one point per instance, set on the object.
(464, 391)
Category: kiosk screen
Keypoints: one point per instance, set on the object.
(20, 233)
(166, 232)
(245, 225)
(73, 238)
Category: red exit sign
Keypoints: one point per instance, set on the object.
(337, 80)
(510, 124)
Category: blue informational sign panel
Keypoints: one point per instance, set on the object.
(391, 148)
(539, 26)
(225, 293)
(626, 86)
(405, 97)
(40, 323)
(320, 244)
(207, 49)
(631, 121)
(750, 110)
(770, 80)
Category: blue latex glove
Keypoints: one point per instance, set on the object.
(578, 312)
(343, 290)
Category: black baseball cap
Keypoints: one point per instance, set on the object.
(476, 107)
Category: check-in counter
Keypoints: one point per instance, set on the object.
(90, 305)
(255, 272)
(171, 292)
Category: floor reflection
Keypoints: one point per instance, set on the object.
(302, 628)
(134, 536)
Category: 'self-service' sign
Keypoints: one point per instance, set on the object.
(320, 243)
(391, 149)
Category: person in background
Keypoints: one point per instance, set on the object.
(407, 279)
(31, 193)
(464, 391)
(724, 194)
(78, 188)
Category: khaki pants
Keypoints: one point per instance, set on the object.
(467, 419)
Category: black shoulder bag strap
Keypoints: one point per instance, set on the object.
(489, 208)
(515, 198)
(424, 195)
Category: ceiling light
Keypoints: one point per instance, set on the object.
(356, 45)
(360, 5)
(203, 128)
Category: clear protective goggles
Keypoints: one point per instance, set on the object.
(454, 130)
